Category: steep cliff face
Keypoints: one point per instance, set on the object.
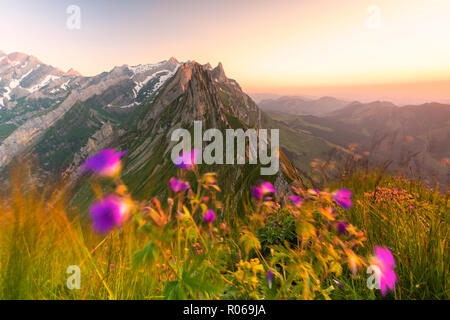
(192, 94)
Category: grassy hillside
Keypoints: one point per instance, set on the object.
(410, 219)
(166, 251)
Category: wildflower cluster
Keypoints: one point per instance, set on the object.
(383, 195)
(193, 253)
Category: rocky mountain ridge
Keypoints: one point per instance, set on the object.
(35, 96)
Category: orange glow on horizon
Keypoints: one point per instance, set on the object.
(282, 47)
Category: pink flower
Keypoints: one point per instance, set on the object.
(267, 187)
(386, 276)
(343, 197)
(105, 163)
(178, 185)
(257, 193)
(263, 189)
(187, 160)
(210, 216)
(297, 200)
(109, 212)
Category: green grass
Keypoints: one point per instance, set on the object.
(6, 129)
(418, 238)
(40, 237)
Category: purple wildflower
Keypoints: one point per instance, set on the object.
(178, 185)
(338, 283)
(270, 278)
(105, 163)
(343, 197)
(264, 188)
(257, 193)
(210, 216)
(342, 227)
(108, 213)
(187, 160)
(297, 200)
(267, 187)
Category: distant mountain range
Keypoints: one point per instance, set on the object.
(22, 75)
(34, 96)
(302, 105)
(64, 117)
(413, 138)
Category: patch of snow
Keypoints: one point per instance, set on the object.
(14, 83)
(160, 82)
(43, 83)
(5, 96)
(163, 79)
(139, 85)
(128, 106)
(64, 85)
(144, 67)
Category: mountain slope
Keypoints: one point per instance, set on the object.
(27, 119)
(414, 138)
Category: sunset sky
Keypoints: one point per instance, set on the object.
(288, 47)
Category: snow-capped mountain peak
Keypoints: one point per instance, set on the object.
(22, 75)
